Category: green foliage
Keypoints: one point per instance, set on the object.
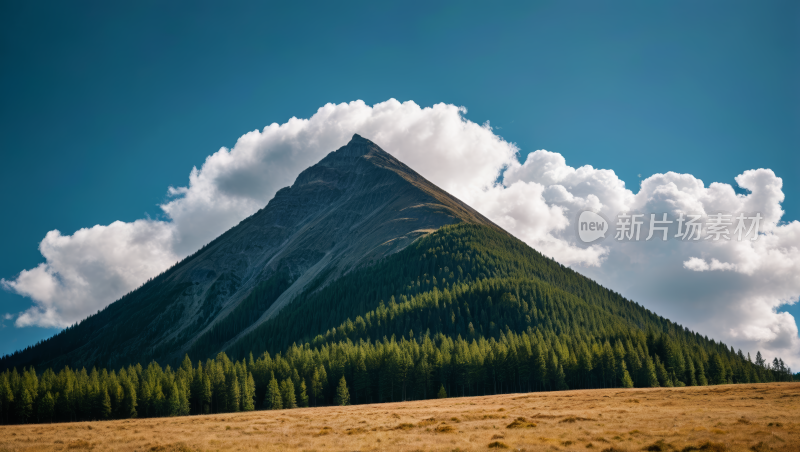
(303, 396)
(442, 394)
(274, 399)
(249, 395)
(342, 394)
(287, 394)
(469, 311)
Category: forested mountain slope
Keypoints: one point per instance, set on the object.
(356, 206)
(466, 310)
(362, 282)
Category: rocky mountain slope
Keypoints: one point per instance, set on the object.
(356, 206)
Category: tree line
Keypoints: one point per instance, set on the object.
(411, 368)
(470, 311)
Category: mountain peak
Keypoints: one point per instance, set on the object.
(357, 146)
(355, 207)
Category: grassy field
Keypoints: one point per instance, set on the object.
(718, 418)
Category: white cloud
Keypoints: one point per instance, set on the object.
(728, 290)
(86, 271)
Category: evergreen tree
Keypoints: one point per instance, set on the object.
(442, 393)
(318, 383)
(287, 394)
(342, 394)
(625, 378)
(303, 397)
(540, 367)
(24, 406)
(185, 395)
(716, 369)
(174, 401)
(129, 402)
(361, 382)
(207, 396)
(650, 373)
(249, 394)
(691, 374)
(234, 395)
(273, 400)
(47, 408)
(760, 362)
(661, 373)
(701, 374)
(561, 380)
(105, 407)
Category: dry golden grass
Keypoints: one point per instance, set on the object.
(757, 418)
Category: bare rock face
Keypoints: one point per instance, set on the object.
(357, 205)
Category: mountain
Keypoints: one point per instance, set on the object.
(356, 206)
(361, 282)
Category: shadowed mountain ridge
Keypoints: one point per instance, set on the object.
(356, 206)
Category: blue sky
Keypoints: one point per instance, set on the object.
(105, 105)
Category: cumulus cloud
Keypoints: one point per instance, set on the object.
(84, 272)
(726, 289)
(88, 270)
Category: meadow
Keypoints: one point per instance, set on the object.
(747, 417)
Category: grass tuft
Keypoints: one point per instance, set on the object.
(520, 422)
(80, 444)
(444, 428)
(498, 445)
(658, 446)
(426, 422)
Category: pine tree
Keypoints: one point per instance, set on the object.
(174, 401)
(342, 394)
(539, 366)
(760, 362)
(317, 383)
(361, 379)
(46, 408)
(650, 377)
(272, 400)
(105, 407)
(287, 394)
(129, 402)
(207, 396)
(249, 394)
(716, 370)
(561, 380)
(303, 395)
(185, 395)
(702, 380)
(24, 406)
(442, 393)
(234, 395)
(691, 375)
(627, 382)
(661, 373)
(625, 378)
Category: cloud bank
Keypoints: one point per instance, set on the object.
(728, 290)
